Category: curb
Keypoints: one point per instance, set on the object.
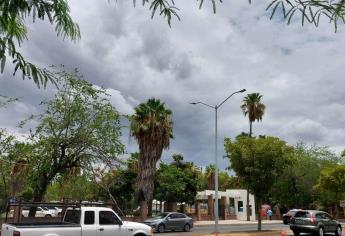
(252, 233)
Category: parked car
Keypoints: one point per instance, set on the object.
(310, 221)
(170, 221)
(56, 211)
(287, 217)
(40, 212)
(91, 221)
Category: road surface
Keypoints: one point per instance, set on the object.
(208, 229)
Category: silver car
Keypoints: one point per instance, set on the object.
(170, 221)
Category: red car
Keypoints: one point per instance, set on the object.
(287, 217)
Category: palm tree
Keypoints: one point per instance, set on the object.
(152, 127)
(210, 176)
(255, 109)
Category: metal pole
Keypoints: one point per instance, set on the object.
(216, 215)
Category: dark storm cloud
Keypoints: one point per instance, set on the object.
(299, 70)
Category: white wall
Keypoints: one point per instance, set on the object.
(240, 195)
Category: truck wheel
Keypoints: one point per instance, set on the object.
(338, 231)
(161, 229)
(296, 232)
(186, 228)
(321, 232)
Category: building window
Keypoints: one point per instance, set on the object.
(240, 206)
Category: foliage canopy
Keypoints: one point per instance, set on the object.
(79, 128)
(13, 31)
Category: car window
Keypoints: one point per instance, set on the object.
(72, 216)
(302, 214)
(108, 218)
(89, 218)
(326, 216)
(174, 216)
(319, 216)
(180, 216)
(161, 216)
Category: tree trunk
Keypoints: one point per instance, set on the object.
(258, 206)
(336, 210)
(149, 212)
(247, 207)
(37, 198)
(160, 206)
(143, 209)
(39, 192)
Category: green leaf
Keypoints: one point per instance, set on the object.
(3, 62)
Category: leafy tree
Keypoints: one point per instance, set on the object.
(152, 127)
(177, 181)
(293, 188)
(6, 144)
(255, 109)
(74, 187)
(332, 183)
(122, 187)
(78, 128)
(259, 173)
(229, 182)
(13, 32)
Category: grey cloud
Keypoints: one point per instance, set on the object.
(203, 57)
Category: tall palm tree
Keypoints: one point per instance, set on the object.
(255, 109)
(152, 127)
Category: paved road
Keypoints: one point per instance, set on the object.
(241, 227)
(205, 229)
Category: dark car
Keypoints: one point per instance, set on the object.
(170, 221)
(319, 222)
(289, 215)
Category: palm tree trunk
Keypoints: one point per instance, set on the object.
(149, 213)
(143, 209)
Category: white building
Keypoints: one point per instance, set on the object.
(236, 201)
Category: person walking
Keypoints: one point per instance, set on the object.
(269, 213)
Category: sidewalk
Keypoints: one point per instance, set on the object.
(235, 222)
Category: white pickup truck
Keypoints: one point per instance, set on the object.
(83, 221)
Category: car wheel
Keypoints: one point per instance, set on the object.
(296, 232)
(338, 231)
(186, 228)
(48, 215)
(161, 229)
(321, 231)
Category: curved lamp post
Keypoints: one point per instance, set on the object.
(216, 214)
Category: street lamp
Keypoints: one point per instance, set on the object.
(216, 214)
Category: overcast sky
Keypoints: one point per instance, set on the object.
(205, 57)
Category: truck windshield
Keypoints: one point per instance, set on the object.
(72, 216)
